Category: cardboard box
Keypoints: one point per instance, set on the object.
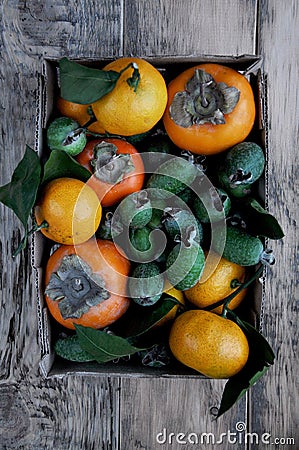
(51, 365)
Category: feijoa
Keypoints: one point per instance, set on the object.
(176, 221)
(146, 284)
(242, 166)
(239, 247)
(212, 205)
(184, 265)
(144, 244)
(66, 134)
(135, 210)
(173, 175)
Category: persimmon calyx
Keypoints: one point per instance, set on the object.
(75, 287)
(108, 166)
(202, 101)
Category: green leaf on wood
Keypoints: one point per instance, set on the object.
(261, 356)
(84, 85)
(60, 164)
(259, 222)
(102, 346)
(20, 193)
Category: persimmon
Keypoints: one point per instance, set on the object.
(116, 166)
(86, 284)
(210, 108)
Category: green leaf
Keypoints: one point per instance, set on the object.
(60, 164)
(142, 319)
(20, 193)
(261, 356)
(259, 222)
(103, 346)
(69, 348)
(84, 85)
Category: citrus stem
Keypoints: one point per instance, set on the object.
(24, 241)
(133, 81)
(91, 120)
(226, 301)
(105, 135)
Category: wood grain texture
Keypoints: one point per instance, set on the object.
(189, 27)
(91, 412)
(79, 28)
(171, 407)
(277, 393)
(73, 413)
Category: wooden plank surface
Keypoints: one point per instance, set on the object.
(190, 27)
(277, 393)
(110, 413)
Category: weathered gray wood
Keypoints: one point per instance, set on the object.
(73, 413)
(274, 401)
(190, 27)
(79, 28)
(171, 407)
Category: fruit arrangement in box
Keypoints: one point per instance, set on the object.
(148, 202)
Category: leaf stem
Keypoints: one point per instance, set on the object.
(225, 302)
(24, 241)
(91, 120)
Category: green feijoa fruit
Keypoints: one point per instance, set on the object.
(174, 175)
(235, 190)
(69, 348)
(243, 165)
(156, 219)
(186, 195)
(176, 221)
(66, 134)
(184, 265)
(135, 210)
(146, 284)
(212, 205)
(158, 206)
(144, 244)
(239, 247)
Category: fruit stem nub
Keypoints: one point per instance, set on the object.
(133, 81)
